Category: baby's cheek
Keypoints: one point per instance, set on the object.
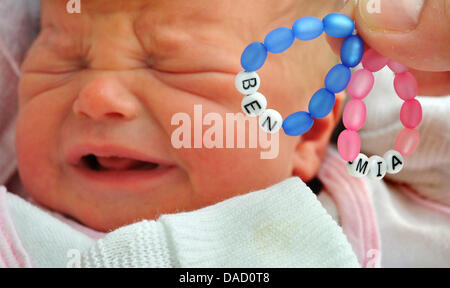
(218, 174)
(37, 138)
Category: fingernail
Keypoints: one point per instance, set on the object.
(391, 15)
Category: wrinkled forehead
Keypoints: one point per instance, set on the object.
(184, 13)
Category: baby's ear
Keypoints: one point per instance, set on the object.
(312, 146)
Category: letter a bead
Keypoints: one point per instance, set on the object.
(377, 167)
(254, 104)
(270, 121)
(394, 161)
(359, 167)
(247, 82)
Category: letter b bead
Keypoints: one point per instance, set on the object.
(247, 82)
(359, 167)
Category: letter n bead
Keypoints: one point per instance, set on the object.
(270, 121)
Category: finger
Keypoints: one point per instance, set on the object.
(430, 83)
(415, 33)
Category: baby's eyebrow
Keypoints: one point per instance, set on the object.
(59, 43)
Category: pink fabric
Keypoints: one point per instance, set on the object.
(355, 208)
(427, 203)
(19, 24)
(12, 253)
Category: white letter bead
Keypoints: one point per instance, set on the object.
(247, 82)
(359, 167)
(254, 104)
(377, 167)
(394, 161)
(270, 121)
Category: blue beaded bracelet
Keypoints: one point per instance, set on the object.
(322, 102)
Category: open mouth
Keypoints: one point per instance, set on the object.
(115, 163)
(117, 166)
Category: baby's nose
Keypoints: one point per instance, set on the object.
(104, 99)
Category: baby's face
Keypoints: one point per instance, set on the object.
(99, 90)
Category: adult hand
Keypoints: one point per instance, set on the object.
(415, 33)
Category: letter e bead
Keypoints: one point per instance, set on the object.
(359, 167)
(394, 161)
(247, 82)
(254, 104)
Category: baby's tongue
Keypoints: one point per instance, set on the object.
(117, 163)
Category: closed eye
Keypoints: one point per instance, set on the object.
(210, 85)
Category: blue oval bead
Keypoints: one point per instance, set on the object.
(298, 123)
(338, 25)
(307, 28)
(321, 103)
(253, 57)
(279, 40)
(352, 51)
(337, 78)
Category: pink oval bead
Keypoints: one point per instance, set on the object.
(360, 84)
(411, 113)
(407, 141)
(349, 145)
(354, 115)
(373, 61)
(396, 67)
(405, 85)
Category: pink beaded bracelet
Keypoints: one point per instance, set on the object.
(354, 117)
